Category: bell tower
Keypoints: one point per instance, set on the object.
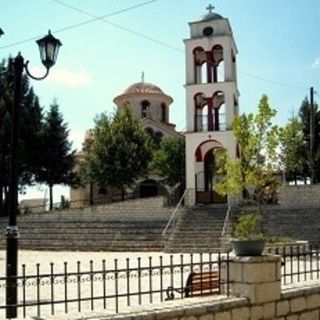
(211, 102)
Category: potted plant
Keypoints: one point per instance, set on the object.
(249, 240)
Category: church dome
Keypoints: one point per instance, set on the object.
(143, 87)
(211, 16)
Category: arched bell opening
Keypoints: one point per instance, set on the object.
(199, 58)
(218, 64)
(219, 111)
(200, 112)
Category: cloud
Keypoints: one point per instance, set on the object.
(66, 77)
(316, 63)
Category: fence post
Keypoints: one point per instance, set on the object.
(257, 278)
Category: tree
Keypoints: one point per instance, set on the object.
(30, 128)
(291, 150)
(169, 162)
(312, 161)
(257, 140)
(56, 158)
(120, 152)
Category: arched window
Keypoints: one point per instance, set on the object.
(145, 106)
(157, 138)
(164, 112)
(149, 131)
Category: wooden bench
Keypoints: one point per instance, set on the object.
(198, 284)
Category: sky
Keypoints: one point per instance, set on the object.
(108, 43)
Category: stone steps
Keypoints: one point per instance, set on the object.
(128, 226)
(198, 230)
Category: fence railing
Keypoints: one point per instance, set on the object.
(299, 263)
(175, 215)
(113, 285)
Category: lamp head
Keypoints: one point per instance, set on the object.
(49, 48)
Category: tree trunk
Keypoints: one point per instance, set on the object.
(50, 197)
(91, 193)
(122, 193)
(2, 213)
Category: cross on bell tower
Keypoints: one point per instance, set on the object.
(210, 7)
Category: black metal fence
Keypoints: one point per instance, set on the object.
(300, 263)
(114, 285)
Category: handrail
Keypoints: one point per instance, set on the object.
(226, 221)
(173, 215)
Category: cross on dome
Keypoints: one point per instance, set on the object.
(142, 76)
(210, 8)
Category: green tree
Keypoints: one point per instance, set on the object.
(312, 161)
(120, 152)
(30, 128)
(257, 139)
(169, 162)
(56, 158)
(291, 149)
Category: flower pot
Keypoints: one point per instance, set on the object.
(248, 247)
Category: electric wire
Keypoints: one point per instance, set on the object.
(102, 19)
(170, 46)
(94, 18)
(273, 81)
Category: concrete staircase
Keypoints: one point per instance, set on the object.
(198, 230)
(134, 225)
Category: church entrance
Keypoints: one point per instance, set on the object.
(205, 181)
(149, 188)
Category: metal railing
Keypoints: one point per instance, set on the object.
(174, 216)
(299, 263)
(226, 222)
(203, 124)
(113, 285)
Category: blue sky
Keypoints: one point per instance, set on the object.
(277, 40)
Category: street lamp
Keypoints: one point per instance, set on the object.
(48, 47)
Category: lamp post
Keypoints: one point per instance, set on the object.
(48, 47)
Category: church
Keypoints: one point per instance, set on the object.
(212, 101)
(151, 106)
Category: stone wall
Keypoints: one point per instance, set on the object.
(305, 195)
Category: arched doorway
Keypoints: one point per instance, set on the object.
(206, 179)
(149, 188)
